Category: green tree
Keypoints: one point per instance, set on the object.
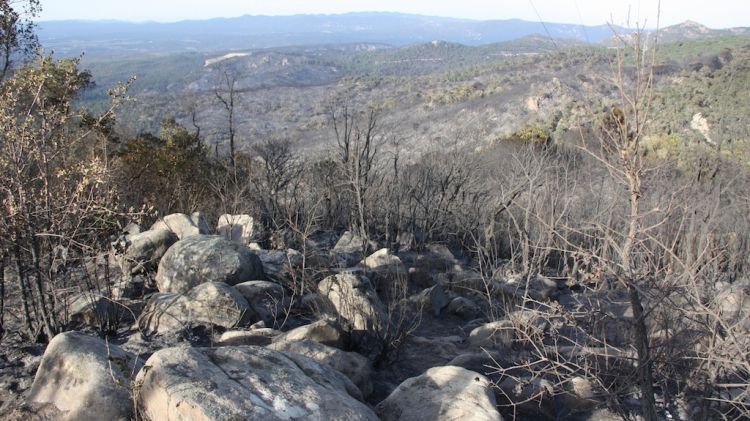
(170, 169)
(17, 37)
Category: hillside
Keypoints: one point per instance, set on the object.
(690, 30)
(491, 90)
(267, 223)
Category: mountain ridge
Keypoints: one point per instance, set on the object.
(72, 37)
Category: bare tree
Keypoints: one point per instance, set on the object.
(357, 142)
(280, 172)
(226, 95)
(621, 153)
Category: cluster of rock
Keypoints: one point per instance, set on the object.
(231, 331)
(242, 294)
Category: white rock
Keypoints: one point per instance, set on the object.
(183, 225)
(327, 332)
(355, 300)
(240, 229)
(211, 303)
(498, 334)
(441, 394)
(199, 259)
(354, 366)
(85, 377)
(244, 383)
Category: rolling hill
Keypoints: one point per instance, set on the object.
(252, 32)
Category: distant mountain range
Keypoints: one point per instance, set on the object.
(394, 29)
(251, 32)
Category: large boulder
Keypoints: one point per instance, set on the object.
(385, 265)
(240, 229)
(258, 337)
(327, 332)
(183, 225)
(248, 383)
(280, 265)
(355, 300)
(144, 250)
(441, 393)
(208, 304)
(354, 366)
(498, 334)
(200, 259)
(86, 377)
(267, 299)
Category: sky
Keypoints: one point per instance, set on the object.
(713, 13)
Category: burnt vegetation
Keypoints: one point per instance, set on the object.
(595, 200)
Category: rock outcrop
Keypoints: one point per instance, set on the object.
(441, 393)
(267, 299)
(183, 225)
(208, 304)
(240, 229)
(244, 383)
(327, 332)
(85, 377)
(198, 259)
(144, 250)
(355, 300)
(354, 366)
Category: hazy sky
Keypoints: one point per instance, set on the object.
(713, 13)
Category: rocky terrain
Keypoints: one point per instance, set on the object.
(436, 231)
(214, 328)
(209, 326)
